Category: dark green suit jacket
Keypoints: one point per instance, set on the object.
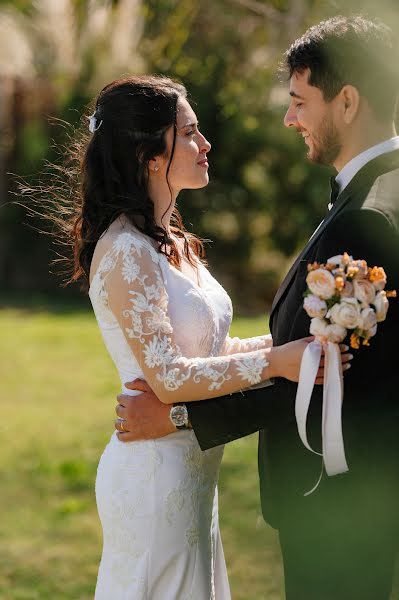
(364, 221)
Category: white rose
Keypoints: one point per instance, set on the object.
(381, 304)
(371, 332)
(318, 327)
(335, 333)
(361, 265)
(346, 313)
(364, 291)
(314, 306)
(321, 283)
(379, 285)
(341, 260)
(368, 319)
(336, 260)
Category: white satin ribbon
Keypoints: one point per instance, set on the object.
(333, 452)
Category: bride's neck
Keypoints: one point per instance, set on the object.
(164, 200)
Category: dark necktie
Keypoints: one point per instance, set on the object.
(334, 192)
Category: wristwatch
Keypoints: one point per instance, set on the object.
(179, 416)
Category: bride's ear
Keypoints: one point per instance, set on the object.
(153, 164)
(350, 103)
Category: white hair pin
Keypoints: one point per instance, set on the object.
(93, 124)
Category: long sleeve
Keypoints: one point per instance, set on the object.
(236, 344)
(222, 420)
(135, 293)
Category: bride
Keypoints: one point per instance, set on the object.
(165, 319)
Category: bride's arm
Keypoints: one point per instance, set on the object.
(236, 344)
(137, 297)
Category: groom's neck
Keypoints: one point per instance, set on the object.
(362, 136)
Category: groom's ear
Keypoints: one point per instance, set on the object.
(349, 99)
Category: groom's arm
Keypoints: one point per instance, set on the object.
(230, 417)
(370, 235)
(217, 421)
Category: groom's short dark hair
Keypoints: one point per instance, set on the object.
(350, 51)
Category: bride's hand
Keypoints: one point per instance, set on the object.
(288, 357)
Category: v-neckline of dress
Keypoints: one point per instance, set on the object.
(197, 284)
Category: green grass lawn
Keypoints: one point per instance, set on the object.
(58, 390)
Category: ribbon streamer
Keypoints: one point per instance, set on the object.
(333, 452)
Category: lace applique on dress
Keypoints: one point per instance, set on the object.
(131, 285)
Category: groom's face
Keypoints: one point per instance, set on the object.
(313, 118)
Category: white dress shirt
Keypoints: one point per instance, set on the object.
(346, 175)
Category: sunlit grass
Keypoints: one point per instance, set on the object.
(58, 390)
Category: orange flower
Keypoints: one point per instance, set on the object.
(377, 274)
(352, 271)
(339, 283)
(378, 277)
(355, 341)
(366, 342)
(391, 294)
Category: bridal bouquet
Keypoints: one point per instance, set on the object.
(344, 295)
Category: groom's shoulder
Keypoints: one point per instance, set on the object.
(384, 196)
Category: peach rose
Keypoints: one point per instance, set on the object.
(346, 313)
(364, 290)
(381, 304)
(314, 306)
(321, 283)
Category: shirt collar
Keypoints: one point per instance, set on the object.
(346, 175)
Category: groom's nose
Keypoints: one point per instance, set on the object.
(290, 119)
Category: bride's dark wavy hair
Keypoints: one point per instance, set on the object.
(108, 172)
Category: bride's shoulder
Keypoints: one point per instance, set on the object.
(123, 237)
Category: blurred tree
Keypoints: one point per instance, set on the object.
(264, 198)
(54, 56)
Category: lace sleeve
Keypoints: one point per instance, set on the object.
(236, 344)
(136, 295)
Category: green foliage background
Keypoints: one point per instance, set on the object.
(264, 199)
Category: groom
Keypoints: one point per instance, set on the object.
(340, 542)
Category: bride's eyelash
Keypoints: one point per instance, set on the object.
(193, 131)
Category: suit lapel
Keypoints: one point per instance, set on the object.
(363, 179)
(291, 273)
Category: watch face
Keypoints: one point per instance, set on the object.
(179, 416)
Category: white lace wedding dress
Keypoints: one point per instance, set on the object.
(157, 499)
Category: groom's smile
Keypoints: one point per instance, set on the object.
(313, 118)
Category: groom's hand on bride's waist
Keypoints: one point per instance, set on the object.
(142, 417)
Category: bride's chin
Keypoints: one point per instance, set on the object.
(199, 185)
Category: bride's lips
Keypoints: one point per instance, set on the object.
(203, 163)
